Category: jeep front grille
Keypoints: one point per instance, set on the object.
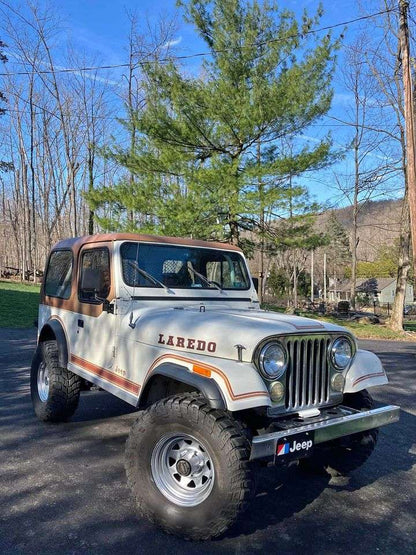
(308, 373)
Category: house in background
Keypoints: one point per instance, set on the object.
(381, 290)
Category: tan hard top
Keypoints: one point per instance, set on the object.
(76, 243)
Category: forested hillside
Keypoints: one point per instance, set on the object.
(378, 224)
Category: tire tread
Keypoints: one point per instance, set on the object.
(65, 386)
(194, 408)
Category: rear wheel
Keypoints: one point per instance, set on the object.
(187, 466)
(346, 454)
(54, 390)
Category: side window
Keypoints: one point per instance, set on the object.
(59, 275)
(95, 275)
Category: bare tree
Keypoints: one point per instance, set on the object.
(385, 63)
(56, 122)
(372, 166)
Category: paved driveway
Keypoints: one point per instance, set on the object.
(62, 487)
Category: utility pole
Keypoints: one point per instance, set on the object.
(409, 120)
(324, 277)
(260, 182)
(312, 276)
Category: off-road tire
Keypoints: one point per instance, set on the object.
(344, 455)
(228, 448)
(64, 386)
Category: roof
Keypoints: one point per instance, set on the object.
(77, 242)
(374, 283)
(362, 284)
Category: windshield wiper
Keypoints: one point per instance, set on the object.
(205, 280)
(149, 277)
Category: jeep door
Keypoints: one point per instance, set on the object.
(92, 331)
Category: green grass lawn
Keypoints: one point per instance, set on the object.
(410, 326)
(18, 304)
(373, 331)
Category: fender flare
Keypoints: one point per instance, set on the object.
(55, 328)
(365, 371)
(207, 386)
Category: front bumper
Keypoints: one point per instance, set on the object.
(330, 424)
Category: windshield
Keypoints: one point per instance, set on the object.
(178, 267)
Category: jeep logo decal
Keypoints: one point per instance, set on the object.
(187, 343)
(286, 448)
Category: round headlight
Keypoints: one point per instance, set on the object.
(273, 361)
(341, 353)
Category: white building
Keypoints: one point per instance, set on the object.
(381, 290)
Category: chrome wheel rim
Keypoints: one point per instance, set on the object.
(43, 382)
(182, 469)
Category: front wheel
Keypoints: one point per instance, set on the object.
(187, 466)
(54, 390)
(346, 454)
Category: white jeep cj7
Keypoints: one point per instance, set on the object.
(174, 327)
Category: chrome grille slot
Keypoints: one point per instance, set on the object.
(307, 378)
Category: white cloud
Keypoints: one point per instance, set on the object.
(309, 138)
(173, 42)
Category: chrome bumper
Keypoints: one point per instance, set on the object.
(325, 428)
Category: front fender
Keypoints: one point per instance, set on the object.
(365, 371)
(207, 386)
(240, 384)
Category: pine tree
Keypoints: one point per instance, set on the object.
(207, 143)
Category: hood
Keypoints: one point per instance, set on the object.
(217, 331)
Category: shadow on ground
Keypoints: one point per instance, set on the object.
(62, 487)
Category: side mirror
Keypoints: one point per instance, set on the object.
(92, 280)
(93, 288)
(255, 283)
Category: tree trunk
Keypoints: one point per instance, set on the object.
(261, 199)
(295, 282)
(355, 221)
(396, 319)
(91, 187)
(32, 223)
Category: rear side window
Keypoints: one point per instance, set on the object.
(59, 275)
(95, 275)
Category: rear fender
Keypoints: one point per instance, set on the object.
(53, 329)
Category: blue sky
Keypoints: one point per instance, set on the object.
(100, 28)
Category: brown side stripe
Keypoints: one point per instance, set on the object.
(361, 378)
(234, 396)
(134, 388)
(106, 375)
